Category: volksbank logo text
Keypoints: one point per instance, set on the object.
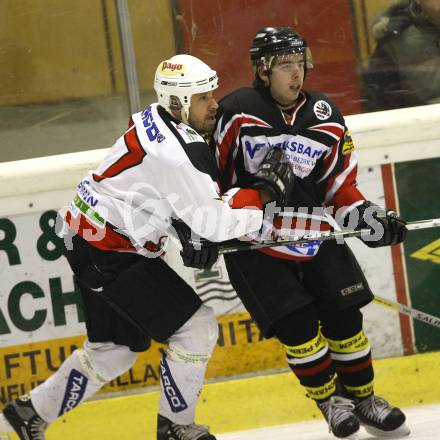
(291, 145)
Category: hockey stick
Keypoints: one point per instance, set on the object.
(317, 236)
(408, 311)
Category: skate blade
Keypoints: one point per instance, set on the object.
(401, 431)
(5, 428)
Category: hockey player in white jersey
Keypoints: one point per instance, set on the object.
(161, 170)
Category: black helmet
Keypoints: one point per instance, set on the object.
(280, 40)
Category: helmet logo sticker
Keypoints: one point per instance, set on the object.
(322, 110)
(171, 66)
(172, 69)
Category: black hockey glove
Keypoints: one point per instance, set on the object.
(275, 177)
(196, 252)
(394, 230)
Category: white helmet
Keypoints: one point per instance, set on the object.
(182, 76)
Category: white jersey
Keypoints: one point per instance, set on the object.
(158, 170)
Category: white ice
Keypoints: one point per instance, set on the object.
(423, 421)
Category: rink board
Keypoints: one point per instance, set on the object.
(245, 403)
(42, 321)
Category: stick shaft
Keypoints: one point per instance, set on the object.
(398, 307)
(318, 236)
(408, 311)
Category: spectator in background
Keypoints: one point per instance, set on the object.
(404, 69)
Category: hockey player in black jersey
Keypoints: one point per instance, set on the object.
(307, 296)
(158, 172)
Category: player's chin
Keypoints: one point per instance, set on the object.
(203, 128)
(294, 92)
(209, 125)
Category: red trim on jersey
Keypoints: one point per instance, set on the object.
(133, 157)
(347, 197)
(289, 119)
(347, 193)
(272, 253)
(328, 161)
(106, 238)
(228, 143)
(246, 198)
(335, 130)
(313, 370)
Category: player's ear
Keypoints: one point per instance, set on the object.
(263, 74)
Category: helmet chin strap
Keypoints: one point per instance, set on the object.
(182, 110)
(184, 114)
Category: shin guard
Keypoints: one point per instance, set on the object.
(79, 377)
(183, 366)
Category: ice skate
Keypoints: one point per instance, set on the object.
(167, 430)
(23, 419)
(338, 412)
(381, 419)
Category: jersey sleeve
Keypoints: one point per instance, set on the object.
(340, 172)
(226, 140)
(243, 198)
(195, 199)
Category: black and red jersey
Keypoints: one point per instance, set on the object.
(314, 139)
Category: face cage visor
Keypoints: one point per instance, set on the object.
(269, 61)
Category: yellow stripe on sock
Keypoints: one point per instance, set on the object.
(308, 348)
(356, 343)
(362, 391)
(324, 391)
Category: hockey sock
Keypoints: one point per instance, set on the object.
(312, 364)
(352, 360)
(350, 350)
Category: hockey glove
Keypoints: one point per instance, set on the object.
(275, 177)
(394, 230)
(196, 252)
